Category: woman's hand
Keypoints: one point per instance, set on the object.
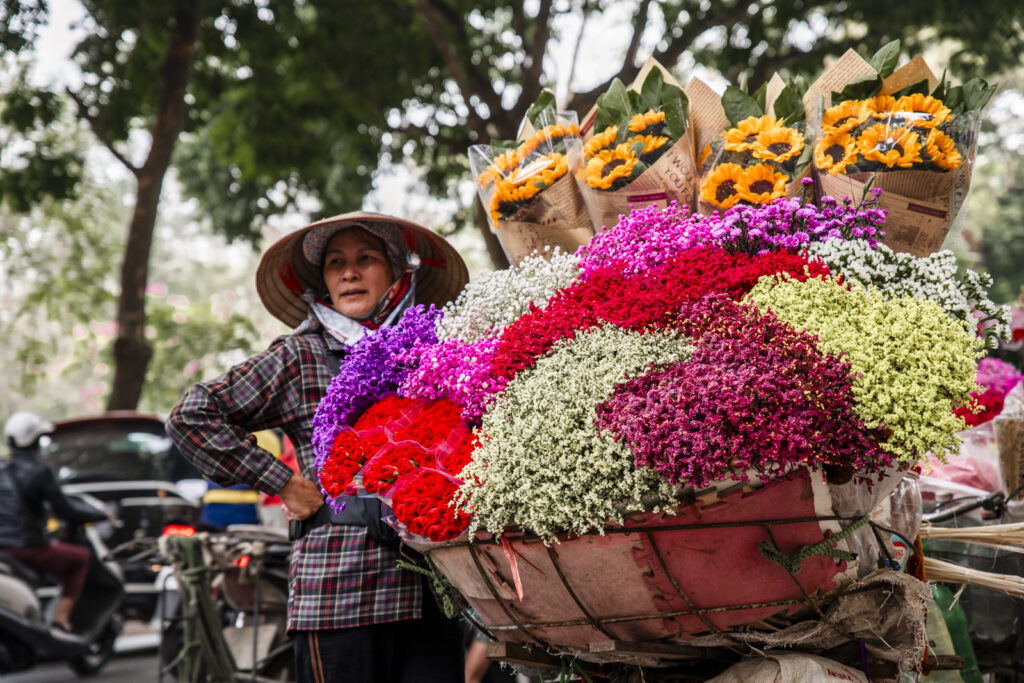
(301, 497)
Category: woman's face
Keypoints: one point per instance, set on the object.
(356, 272)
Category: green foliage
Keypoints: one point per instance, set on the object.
(788, 105)
(616, 106)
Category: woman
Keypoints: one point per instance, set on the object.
(353, 615)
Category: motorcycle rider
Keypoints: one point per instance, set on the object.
(26, 484)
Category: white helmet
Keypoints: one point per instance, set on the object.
(23, 429)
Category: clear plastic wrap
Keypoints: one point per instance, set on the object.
(528, 189)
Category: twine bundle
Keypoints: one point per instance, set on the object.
(1004, 536)
(940, 570)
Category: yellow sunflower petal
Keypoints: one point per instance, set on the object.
(835, 152)
(720, 187)
(761, 184)
(942, 150)
(602, 140)
(890, 145)
(778, 144)
(648, 123)
(922, 111)
(843, 117)
(609, 166)
(743, 136)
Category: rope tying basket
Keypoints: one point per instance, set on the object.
(738, 558)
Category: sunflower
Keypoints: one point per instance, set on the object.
(892, 146)
(558, 167)
(843, 117)
(649, 123)
(651, 144)
(882, 107)
(778, 144)
(499, 167)
(721, 187)
(942, 150)
(549, 136)
(602, 140)
(610, 166)
(760, 184)
(922, 111)
(508, 198)
(835, 152)
(743, 137)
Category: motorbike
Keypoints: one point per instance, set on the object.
(224, 616)
(28, 600)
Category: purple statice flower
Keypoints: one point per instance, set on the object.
(372, 369)
(457, 370)
(648, 237)
(756, 394)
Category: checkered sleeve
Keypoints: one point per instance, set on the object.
(214, 422)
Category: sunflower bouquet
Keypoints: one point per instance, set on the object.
(762, 153)
(639, 151)
(916, 132)
(527, 186)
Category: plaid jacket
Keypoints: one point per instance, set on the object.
(338, 578)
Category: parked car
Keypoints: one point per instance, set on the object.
(126, 460)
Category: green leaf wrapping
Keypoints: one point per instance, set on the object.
(885, 60)
(738, 105)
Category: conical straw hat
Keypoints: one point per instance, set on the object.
(285, 272)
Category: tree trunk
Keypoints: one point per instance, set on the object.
(131, 352)
(498, 259)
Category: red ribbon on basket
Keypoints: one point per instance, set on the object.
(513, 563)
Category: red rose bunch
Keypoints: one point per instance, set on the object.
(421, 503)
(649, 300)
(397, 440)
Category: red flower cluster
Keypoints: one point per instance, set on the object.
(397, 441)
(349, 453)
(646, 301)
(755, 394)
(420, 502)
(990, 403)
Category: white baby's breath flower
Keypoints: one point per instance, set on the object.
(496, 298)
(935, 278)
(542, 464)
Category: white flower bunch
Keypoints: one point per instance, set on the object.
(496, 298)
(935, 278)
(542, 465)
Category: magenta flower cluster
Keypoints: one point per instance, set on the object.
(755, 395)
(651, 236)
(456, 370)
(373, 368)
(998, 374)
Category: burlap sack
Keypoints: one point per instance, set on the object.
(789, 668)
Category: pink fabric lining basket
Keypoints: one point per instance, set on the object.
(657, 577)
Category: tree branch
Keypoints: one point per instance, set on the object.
(693, 30)
(535, 53)
(639, 22)
(101, 135)
(434, 12)
(767, 66)
(670, 55)
(453, 145)
(576, 49)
